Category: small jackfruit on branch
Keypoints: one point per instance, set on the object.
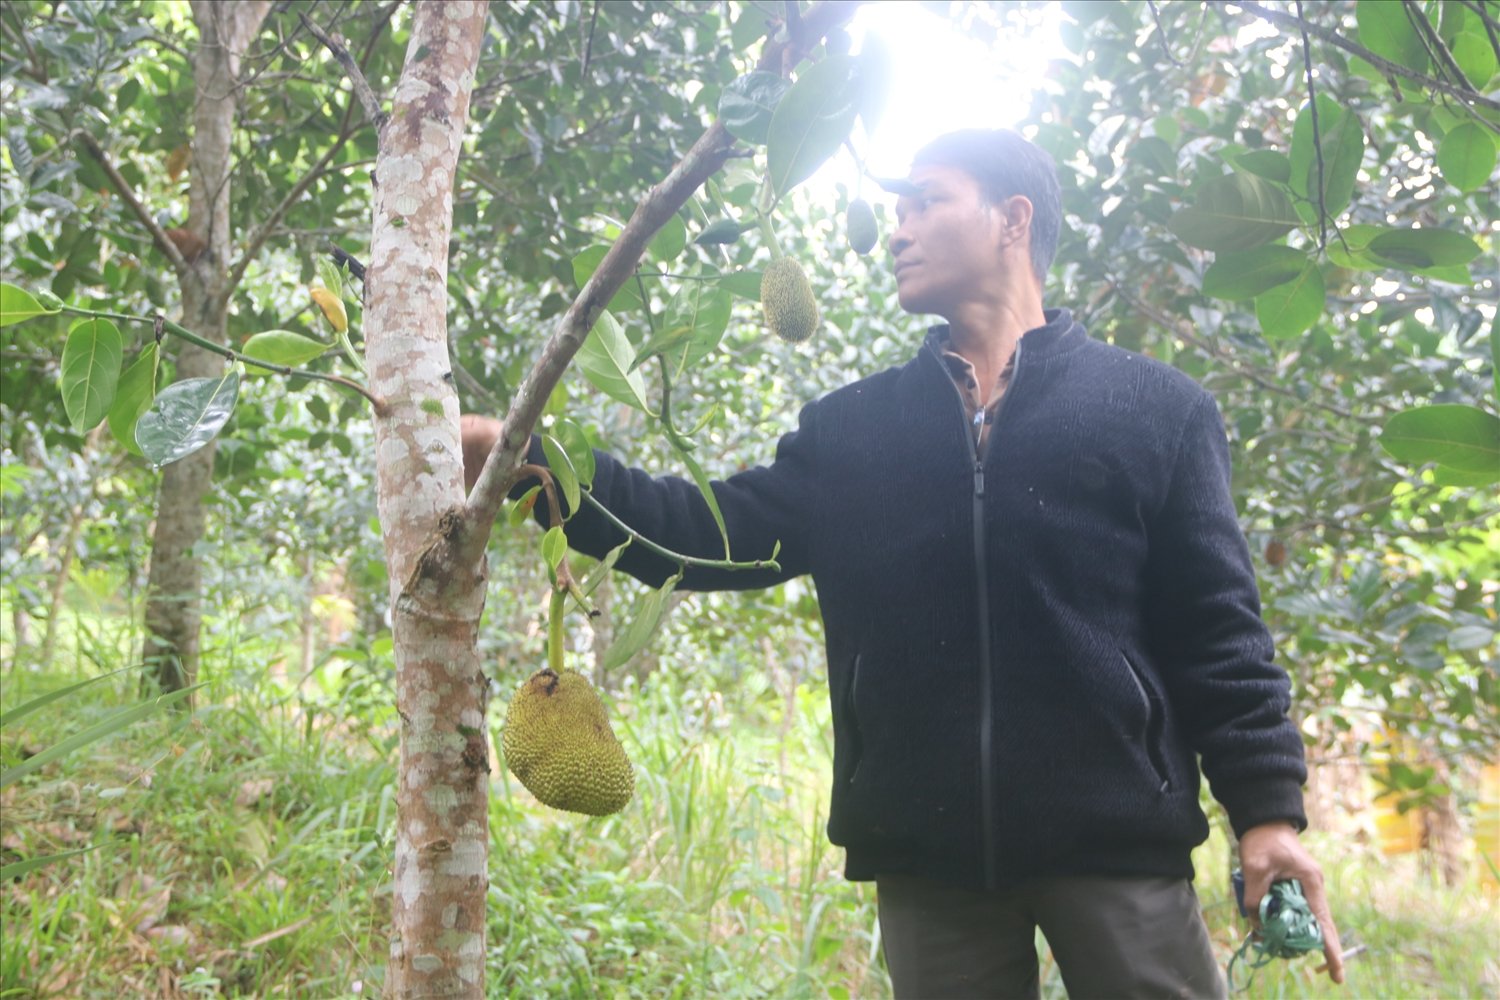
(559, 744)
(860, 227)
(787, 301)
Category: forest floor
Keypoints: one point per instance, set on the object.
(245, 850)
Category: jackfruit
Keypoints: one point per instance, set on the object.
(558, 743)
(786, 300)
(860, 227)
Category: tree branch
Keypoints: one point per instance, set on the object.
(127, 194)
(1384, 65)
(1317, 132)
(701, 162)
(1433, 43)
(356, 76)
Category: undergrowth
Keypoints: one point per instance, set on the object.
(246, 851)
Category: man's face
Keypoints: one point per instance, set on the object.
(947, 243)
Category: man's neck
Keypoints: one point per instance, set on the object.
(986, 334)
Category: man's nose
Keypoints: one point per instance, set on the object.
(899, 241)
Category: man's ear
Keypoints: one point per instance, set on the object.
(1016, 213)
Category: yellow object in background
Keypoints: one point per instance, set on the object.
(1487, 827)
(1400, 833)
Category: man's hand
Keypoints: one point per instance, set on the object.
(479, 436)
(1272, 852)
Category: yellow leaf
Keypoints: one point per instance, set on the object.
(332, 306)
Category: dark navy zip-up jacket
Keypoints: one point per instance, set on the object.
(1028, 649)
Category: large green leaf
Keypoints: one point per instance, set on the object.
(281, 347)
(875, 68)
(90, 371)
(1385, 30)
(812, 121)
(186, 416)
(1244, 275)
(606, 359)
(1235, 212)
(747, 104)
(704, 487)
(18, 305)
(584, 266)
(133, 397)
(1343, 144)
(561, 468)
(1467, 157)
(1290, 309)
(1268, 163)
(645, 617)
(1475, 55)
(701, 311)
(745, 284)
(576, 443)
(1423, 248)
(1464, 438)
(669, 242)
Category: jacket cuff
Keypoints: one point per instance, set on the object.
(1267, 800)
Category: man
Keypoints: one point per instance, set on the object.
(1039, 611)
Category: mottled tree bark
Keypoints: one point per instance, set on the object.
(174, 600)
(437, 593)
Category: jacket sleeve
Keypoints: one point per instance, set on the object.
(1214, 650)
(762, 507)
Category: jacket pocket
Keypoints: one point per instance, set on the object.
(1155, 723)
(851, 713)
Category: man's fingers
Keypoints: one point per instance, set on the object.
(1317, 901)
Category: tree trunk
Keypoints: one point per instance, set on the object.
(173, 602)
(437, 595)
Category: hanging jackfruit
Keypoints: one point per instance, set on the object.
(786, 300)
(860, 227)
(559, 744)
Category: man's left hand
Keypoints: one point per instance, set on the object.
(1272, 852)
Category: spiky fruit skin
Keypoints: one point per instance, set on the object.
(558, 743)
(787, 301)
(860, 227)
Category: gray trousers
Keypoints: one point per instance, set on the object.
(1111, 937)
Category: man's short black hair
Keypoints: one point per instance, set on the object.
(1005, 164)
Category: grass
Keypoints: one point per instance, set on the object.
(246, 852)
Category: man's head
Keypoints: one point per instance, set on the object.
(990, 201)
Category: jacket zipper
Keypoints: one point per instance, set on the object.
(986, 666)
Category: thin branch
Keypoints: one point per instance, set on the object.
(127, 194)
(1433, 43)
(701, 162)
(1384, 65)
(667, 553)
(1161, 34)
(588, 46)
(185, 334)
(1491, 26)
(1317, 132)
(356, 76)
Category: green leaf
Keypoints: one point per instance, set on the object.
(1290, 309)
(524, 505)
(584, 266)
(601, 570)
(646, 617)
(16, 869)
(17, 305)
(126, 95)
(133, 397)
(748, 104)
(1349, 247)
(1235, 212)
(1385, 31)
(1237, 276)
(702, 310)
(90, 371)
(1422, 248)
(1495, 355)
(1467, 157)
(186, 416)
(280, 347)
(1461, 437)
(669, 242)
(606, 359)
(1475, 56)
(576, 443)
(1267, 163)
(554, 546)
(562, 471)
(745, 284)
(20, 712)
(811, 122)
(111, 724)
(874, 69)
(701, 478)
(1343, 143)
(719, 232)
(1466, 638)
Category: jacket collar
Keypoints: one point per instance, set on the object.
(1059, 335)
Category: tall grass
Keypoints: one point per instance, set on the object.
(246, 852)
